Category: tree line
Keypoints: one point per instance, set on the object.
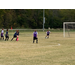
(33, 18)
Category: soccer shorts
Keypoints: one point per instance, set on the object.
(14, 36)
(7, 36)
(35, 38)
(2, 35)
(47, 34)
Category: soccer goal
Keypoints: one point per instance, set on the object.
(68, 29)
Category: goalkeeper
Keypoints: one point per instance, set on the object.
(35, 36)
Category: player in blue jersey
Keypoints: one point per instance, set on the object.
(47, 34)
(35, 36)
(6, 35)
(16, 34)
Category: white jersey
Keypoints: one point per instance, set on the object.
(2, 31)
(35, 32)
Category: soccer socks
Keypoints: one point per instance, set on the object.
(36, 40)
(17, 39)
(6, 39)
(11, 39)
(3, 38)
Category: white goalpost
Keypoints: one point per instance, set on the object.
(68, 28)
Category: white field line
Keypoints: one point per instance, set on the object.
(54, 45)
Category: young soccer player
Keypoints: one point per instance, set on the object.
(6, 35)
(2, 34)
(35, 36)
(47, 34)
(16, 35)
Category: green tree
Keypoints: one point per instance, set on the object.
(2, 11)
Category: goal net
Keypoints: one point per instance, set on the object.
(69, 29)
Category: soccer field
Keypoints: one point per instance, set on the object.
(53, 51)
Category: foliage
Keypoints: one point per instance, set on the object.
(33, 18)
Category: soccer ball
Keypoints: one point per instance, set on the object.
(59, 44)
(46, 37)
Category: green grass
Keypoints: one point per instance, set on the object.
(46, 52)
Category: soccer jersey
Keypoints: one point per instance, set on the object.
(15, 34)
(6, 33)
(2, 31)
(48, 32)
(35, 34)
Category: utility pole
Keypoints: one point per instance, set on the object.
(43, 18)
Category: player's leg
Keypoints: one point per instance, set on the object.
(46, 36)
(13, 38)
(17, 37)
(36, 40)
(33, 39)
(7, 38)
(3, 37)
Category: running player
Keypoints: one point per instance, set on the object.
(6, 35)
(47, 34)
(2, 34)
(35, 36)
(15, 35)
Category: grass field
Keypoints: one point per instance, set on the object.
(53, 51)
